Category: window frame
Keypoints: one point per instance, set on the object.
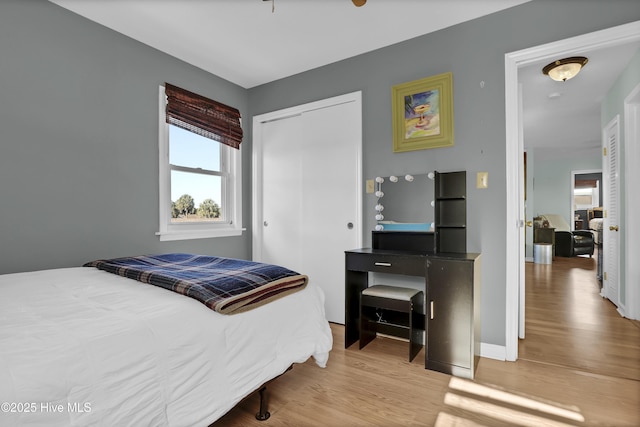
(230, 158)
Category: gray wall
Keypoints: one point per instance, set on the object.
(549, 182)
(79, 141)
(78, 129)
(474, 52)
(552, 179)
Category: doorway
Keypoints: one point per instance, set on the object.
(586, 195)
(515, 220)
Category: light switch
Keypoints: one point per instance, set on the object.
(370, 186)
(482, 180)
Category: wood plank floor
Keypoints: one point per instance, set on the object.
(578, 366)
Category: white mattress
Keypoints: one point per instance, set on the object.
(82, 347)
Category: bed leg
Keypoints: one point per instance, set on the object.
(263, 414)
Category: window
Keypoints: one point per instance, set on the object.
(200, 167)
(586, 193)
(585, 198)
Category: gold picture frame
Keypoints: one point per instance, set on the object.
(423, 113)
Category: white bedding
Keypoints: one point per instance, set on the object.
(83, 347)
(595, 224)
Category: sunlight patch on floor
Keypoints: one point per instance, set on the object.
(448, 420)
(504, 406)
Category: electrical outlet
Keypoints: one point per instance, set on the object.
(482, 180)
(370, 186)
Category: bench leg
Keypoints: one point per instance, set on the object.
(416, 331)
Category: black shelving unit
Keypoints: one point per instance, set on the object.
(451, 212)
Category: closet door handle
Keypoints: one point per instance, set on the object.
(383, 264)
(431, 309)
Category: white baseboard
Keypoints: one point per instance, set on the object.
(492, 351)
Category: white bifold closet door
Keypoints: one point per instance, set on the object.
(309, 180)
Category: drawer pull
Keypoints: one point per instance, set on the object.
(383, 264)
(431, 309)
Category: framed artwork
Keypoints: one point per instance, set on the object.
(423, 113)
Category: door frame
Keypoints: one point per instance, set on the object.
(257, 153)
(514, 256)
(573, 190)
(632, 204)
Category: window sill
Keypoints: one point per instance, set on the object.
(199, 234)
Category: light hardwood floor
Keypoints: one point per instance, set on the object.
(579, 365)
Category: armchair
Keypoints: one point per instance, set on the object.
(570, 243)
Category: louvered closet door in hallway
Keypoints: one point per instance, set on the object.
(308, 176)
(610, 228)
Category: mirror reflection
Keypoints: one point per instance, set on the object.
(406, 202)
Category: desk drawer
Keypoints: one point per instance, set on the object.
(412, 265)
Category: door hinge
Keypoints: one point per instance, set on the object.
(604, 275)
(604, 151)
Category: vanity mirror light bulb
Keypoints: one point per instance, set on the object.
(379, 179)
(431, 175)
(379, 217)
(379, 193)
(408, 178)
(379, 227)
(379, 207)
(433, 204)
(393, 178)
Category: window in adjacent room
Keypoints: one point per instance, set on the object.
(200, 167)
(586, 194)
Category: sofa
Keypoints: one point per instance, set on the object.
(568, 243)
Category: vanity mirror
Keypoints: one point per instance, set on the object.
(405, 202)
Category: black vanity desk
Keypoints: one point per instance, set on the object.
(452, 290)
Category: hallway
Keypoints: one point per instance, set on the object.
(568, 323)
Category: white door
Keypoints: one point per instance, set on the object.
(281, 187)
(610, 228)
(307, 183)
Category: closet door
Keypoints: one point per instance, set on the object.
(310, 207)
(610, 226)
(281, 194)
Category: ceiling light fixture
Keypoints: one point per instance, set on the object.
(565, 69)
(359, 3)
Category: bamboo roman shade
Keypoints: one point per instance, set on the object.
(203, 116)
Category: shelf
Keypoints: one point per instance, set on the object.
(452, 198)
(451, 212)
(419, 241)
(393, 325)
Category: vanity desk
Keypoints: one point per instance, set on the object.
(452, 290)
(451, 278)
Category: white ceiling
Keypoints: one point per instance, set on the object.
(244, 42)
(567, 114)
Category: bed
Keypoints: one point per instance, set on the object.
(85, 347)
(595, 224)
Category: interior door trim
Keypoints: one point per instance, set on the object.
(514, 153)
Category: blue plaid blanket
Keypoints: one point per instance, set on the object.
(225, 285)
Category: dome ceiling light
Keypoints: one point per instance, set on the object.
(565, 69)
